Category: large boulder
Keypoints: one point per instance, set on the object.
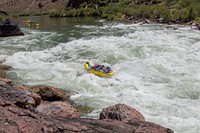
(10, 28)
(129, 115)
(21, 98)
(121, 112)
(49, 93)
(33, 95)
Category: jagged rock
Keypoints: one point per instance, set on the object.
(15, 119)
(58, 109)
(9, 28)
(35, 96)
(4, 81)
(148, 127)
(21, 98)
(121, 112)
(49, 93)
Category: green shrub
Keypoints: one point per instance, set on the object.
(110, 11)
(1, 18)
(196, 9)
(185, 15)
(175, 14)
(185, 3)
(125, 2)
(197, 20)
(169, 10)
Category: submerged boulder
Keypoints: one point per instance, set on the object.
(9, 28)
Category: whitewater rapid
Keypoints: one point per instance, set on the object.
(156, 68)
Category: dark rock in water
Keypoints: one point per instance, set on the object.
(10, 28)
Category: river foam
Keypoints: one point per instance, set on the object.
(156, 69)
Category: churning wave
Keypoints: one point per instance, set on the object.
(156, 69)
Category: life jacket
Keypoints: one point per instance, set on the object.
(107, 69)
(95, 66)
(86, 65)
(98, 67)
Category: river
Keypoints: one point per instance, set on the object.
(157, 67)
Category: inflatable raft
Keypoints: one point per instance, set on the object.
(106, 72)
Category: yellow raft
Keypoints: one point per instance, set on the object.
(34, 25)
(27, 21)
(98, 73)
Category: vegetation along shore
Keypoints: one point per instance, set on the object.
(164, 11)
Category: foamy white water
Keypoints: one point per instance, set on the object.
(157, 68)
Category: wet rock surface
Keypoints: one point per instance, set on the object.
(19, 113)
(10, 28)
(121, 112)
(49, 93)
(58, 108)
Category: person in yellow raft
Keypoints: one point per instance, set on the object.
(99, 70)
(88, 65)
(97, 67)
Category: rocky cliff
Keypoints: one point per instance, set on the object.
(32, 6)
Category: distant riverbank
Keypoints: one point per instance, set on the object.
(161, 11)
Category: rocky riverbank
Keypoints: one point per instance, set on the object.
(42, 109)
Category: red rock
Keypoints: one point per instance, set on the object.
(5, 81)
(58, 109)
(49, 93)
(121, 112)
(16, 119)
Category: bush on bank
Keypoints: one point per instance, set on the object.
(168, 10)
(1, 18)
